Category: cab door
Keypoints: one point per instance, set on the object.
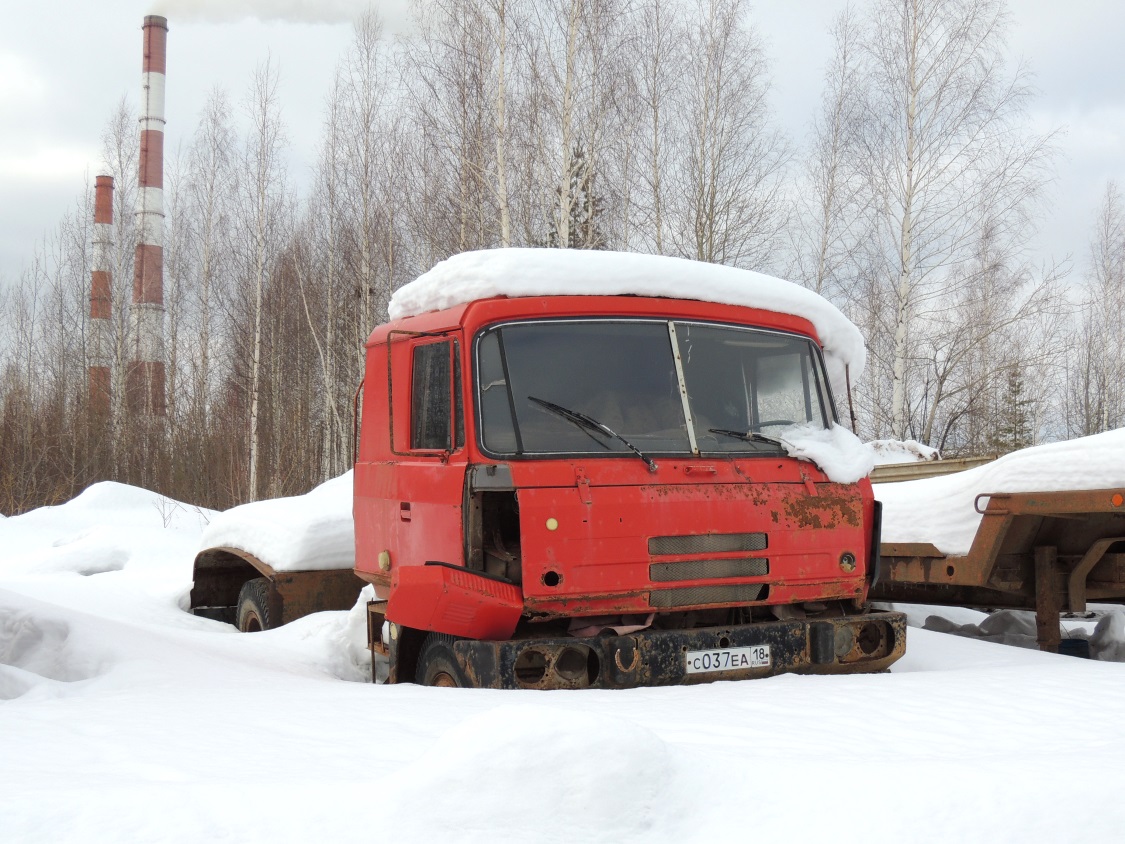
(428, 447)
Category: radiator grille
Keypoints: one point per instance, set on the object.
(707, 543)
(693, 595)
(708, 569)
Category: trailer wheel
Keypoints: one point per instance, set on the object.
(254, 606)
(437, 666)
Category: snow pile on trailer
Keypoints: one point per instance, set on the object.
(940, 510)
(310, 532)
(888, 452)
(580, 272)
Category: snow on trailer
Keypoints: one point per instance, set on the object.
(266, 563)
(1042, 528)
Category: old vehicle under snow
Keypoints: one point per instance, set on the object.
(570, 476)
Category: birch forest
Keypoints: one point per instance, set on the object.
(638, 125)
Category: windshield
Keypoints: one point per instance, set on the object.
(660, 387)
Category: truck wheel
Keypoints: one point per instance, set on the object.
(254, 605)
(437, 666)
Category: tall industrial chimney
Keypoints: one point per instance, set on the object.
(145, 379)
(100, 303)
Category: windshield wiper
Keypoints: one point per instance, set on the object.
(747, 436)
(589, 423)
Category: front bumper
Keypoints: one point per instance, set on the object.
(844, 645)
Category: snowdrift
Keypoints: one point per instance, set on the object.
(109, 527)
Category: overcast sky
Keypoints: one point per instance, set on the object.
(65, 64)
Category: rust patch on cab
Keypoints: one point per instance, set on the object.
(823, 511)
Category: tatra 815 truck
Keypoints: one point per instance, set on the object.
(599, 470)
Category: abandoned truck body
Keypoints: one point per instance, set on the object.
(572, 491)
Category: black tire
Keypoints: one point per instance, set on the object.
(437, 666)
(254, 606)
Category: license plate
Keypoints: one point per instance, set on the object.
(728, 659)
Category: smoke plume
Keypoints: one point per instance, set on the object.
(292, 11)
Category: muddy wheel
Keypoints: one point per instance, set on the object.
(437, 666)
(254, 606)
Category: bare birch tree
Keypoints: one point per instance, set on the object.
(325, 293)
(503, 23)
(576, 63)
(451, 82)
(1096, 378)
(831, 221)
(731, 208)
(209, 193)
(120, 153)
(658, 79)
(363, 155)
(947, 153)
(264, 219)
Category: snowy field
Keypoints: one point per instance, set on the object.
(124, 718)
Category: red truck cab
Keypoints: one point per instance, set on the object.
(570, 491)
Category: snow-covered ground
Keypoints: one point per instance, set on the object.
(124, 718)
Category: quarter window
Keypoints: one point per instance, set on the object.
(431, 409)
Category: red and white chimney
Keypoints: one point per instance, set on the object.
(101, 339)
(145, 380)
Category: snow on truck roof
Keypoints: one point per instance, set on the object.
(579, 272)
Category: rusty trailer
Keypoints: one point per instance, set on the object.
(1044, 551)
(235, 586)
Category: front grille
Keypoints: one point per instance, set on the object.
(696, 595)
(708, 569)
(707, 543)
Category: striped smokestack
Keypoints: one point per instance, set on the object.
(100, 285)
(145, 386)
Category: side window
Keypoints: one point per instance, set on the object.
(431, 412)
